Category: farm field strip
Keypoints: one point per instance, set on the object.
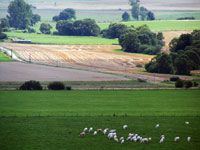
(97, 103)
(95, 57)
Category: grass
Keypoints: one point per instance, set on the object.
(134, 103)
(53, 39)
(162, 25)
(53, 119)
(50, 133)
(4, 57)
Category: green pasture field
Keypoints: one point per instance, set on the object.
(53, 39)
(162, 25)
(4, 57)
(134, 103)
(51, 120)
(153, 25)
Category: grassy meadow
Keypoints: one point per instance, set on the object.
(53, 39)
(53, 120)
(4, 57)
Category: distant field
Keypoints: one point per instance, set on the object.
(52, 39)
(4, 58)
(112, 15)
(163, 25)
(51, 120)
(153, 25)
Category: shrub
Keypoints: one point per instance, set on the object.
(141, 80)
(45, 28)
(56, 86)
(31, 30)
(195, 84)
(3, 36)
(179, 83)
(68, 88)
(188, 84)
(174, 79)
(31, 85)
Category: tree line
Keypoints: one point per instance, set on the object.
(184, 56)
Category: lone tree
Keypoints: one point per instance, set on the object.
(45, 28)
(135, 10)
(150, 16)
(125, 16)
(66, 14)
(20, 14)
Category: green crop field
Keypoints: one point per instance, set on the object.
(52, 39)
(4, 58)
(153, 25)
(53, 120)
(162, 25)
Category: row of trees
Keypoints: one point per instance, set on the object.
(135, 40)
(184, 56)
(85, 27)
(140, 13)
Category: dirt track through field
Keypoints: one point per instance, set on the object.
(16, 71)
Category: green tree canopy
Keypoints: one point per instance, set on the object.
(125, 16)
(45, 28)
(66, 14)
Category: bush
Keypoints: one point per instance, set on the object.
(188, 84)
(142, 80)
(31, 30)
(195, 84)
(56, 86)
(179, 83)
(3, 36)
(31, 85)
(45, 28)
(174, 79)
(68, 88)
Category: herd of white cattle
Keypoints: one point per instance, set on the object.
(133, 137)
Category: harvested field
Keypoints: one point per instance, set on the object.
(94, 57)
(16, 71)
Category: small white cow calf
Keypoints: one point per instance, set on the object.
(188, 139)
(90, 129)
(176, 139)
(125, 127)
(122, 141)
(157, 126)
(85, 129)
(95, 133)
(187, 122)
(121, 138)
(82, 134)
(105, 131)
(162, 139)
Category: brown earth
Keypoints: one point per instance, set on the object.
(17, 71)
